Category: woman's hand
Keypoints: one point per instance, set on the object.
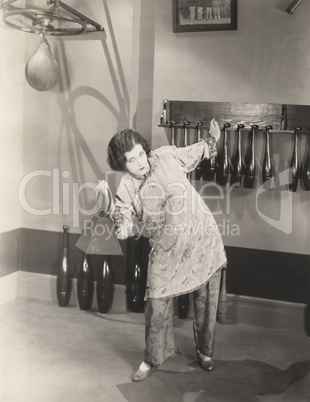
(214, 129)
(106, 203)
(121, 233)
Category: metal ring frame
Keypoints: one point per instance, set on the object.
(43, 16)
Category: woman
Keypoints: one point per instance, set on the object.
(187, 251)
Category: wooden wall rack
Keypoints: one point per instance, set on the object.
(282, 117)
(236, 118)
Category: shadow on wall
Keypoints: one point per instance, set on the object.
(67, 105)
(78, 146)
(120, 108)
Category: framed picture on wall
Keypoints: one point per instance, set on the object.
(204, 15)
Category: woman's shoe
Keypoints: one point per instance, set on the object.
(143, 372)
(207, 365)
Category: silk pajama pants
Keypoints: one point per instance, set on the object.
(159, 336)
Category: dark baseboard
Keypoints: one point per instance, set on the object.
(9, 251)
(268, 274)
(255, 273)
(41, 252)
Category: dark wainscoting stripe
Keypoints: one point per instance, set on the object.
(268, 274)
(9, 251)
(41, 252)
(257, 273)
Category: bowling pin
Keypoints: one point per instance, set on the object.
(294, 165)
(135, 290)
(183, 302)
(64, 282)
(267, 166)
(140, 249)
(223, 304)
(249, 177)
(306, 170)
(85, 284)
(172, 131)
(223, 164)
(105, 288)
(185, 139)
(209, 168)
(236, 174)
(197, 172)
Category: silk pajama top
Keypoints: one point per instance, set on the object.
(187, 248)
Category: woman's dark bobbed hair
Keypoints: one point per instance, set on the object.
(123, 142)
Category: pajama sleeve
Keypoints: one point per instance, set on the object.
(190, 156)
(124, 212)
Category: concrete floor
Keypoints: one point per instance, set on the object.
(53, 354)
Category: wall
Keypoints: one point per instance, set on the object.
(11, 117)
(11, 122)
(264, 61)
(67, 130)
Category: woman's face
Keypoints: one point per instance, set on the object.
(137, 162)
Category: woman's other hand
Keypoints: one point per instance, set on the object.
(214, 129)
(106, 203)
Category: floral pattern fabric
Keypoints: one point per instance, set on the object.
(205, 303)
(159, 334)
(187, 248)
